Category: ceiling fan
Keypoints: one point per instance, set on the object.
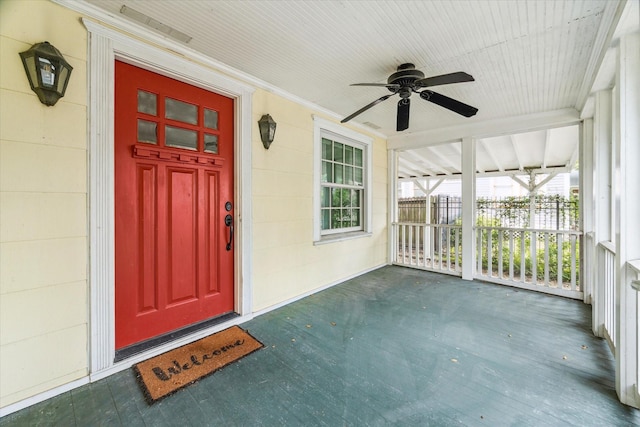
(407, 80)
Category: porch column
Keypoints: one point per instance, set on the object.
(392, 206)
(602, 163)
(627, 213)
(587, 170)
(468, 208)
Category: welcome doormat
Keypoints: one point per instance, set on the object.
(175, 369)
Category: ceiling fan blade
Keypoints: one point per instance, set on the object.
(445, 79)
(388, 85)
(448, 103)
(366, 107)
(402, 121)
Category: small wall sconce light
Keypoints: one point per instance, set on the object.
(47, 71)
(267, 130)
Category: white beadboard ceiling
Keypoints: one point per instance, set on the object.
(527, 57)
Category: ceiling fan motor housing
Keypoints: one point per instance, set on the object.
(405, 76)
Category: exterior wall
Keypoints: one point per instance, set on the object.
(286, 263)
(43, 202)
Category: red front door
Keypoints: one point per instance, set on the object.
(173, 204)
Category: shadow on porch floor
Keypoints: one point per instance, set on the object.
(392, 347)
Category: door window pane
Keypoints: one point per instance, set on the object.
(210, 143)
(181, 138)
(181, 111)
(147, 103)
(210, 119)
(147, 131)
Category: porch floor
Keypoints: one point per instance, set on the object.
(392, 347)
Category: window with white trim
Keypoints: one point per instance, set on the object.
(343, 182)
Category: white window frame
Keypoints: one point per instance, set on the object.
(325, 128)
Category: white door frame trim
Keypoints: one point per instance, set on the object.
(105, 46)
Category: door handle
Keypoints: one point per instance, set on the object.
(228, 221)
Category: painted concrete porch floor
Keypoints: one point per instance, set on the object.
(393, 347)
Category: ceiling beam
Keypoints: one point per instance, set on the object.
(487, 128)
(411, 168)
(512, 138)
(547, 136)
(442, 159)
(429, 163)
(492, 155)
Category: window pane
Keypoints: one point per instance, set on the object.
(336, 220)
(346, 217)
(355, 198)
(326, 217)
(348, 175)
(348, 155)
(355, 217)
(327, 172)
(210, 119)
(338, 152)
(357, 154)
(345, 197)
(335, 197)
(338, 174)
(182, 138)
(325, 197)
(147, 103)
(178, 110)
(147, 131)
(357, 176)
(326, 149)
(210, 143)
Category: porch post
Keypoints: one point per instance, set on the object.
(627, 213)
(602, 162)
(468, 208)
(392, 244)
(587, 171)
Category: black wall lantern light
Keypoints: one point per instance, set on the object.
(267, 130)
(47, 71)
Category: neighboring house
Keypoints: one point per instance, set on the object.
(84, 209)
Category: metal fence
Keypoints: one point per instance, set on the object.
(443, 210)
(549, 212)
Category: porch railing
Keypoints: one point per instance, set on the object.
(606, 260)
(433, 247)
(541, 260)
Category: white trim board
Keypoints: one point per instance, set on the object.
(105, 46)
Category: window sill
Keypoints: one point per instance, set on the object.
(332, 238)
